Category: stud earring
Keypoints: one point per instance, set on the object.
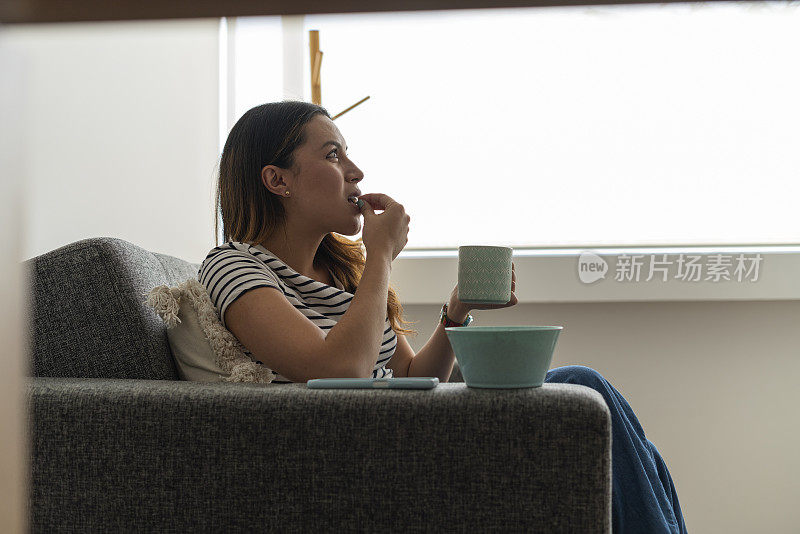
(287, 193)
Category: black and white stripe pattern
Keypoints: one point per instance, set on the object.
(234, 268)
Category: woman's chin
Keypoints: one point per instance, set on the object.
(351, 229)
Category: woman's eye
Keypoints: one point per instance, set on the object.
(332, 151)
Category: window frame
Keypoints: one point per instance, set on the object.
(544, 275)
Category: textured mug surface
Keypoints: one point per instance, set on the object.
(503, 356)
(484, 274)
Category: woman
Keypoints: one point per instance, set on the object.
(284, 283)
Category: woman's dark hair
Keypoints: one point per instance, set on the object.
(268, 135)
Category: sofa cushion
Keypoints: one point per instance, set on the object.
(203, 349)
(87, 311)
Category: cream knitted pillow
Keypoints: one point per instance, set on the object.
(204, 350)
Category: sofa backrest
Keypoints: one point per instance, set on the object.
(88, 315)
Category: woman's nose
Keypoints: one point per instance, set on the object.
(355, 173)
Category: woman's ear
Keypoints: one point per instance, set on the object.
(272, 179)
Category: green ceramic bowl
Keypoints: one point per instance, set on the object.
(503, 356)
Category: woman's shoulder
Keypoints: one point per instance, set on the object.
(234, 265)
(232, 248)
(221, 256)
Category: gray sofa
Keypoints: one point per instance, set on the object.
(119, 444)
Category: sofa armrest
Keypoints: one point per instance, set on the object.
(144, 455)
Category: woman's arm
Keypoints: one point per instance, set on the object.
(359, 333)
(436, 358)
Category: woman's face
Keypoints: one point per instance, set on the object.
(325, 179)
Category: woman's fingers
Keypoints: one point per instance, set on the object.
(378, 201)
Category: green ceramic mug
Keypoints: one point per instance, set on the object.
(484, 274)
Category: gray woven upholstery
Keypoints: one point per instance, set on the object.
(89, 313)
(118, 444)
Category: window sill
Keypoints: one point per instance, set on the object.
(551, 275)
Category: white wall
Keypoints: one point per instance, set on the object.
(124, 133)
(123, 142)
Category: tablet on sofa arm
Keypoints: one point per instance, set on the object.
(414, 382)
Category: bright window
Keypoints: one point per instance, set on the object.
(670, 124)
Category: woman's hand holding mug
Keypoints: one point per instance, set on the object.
(458, 308)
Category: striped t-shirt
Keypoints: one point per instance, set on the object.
(233, 268)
